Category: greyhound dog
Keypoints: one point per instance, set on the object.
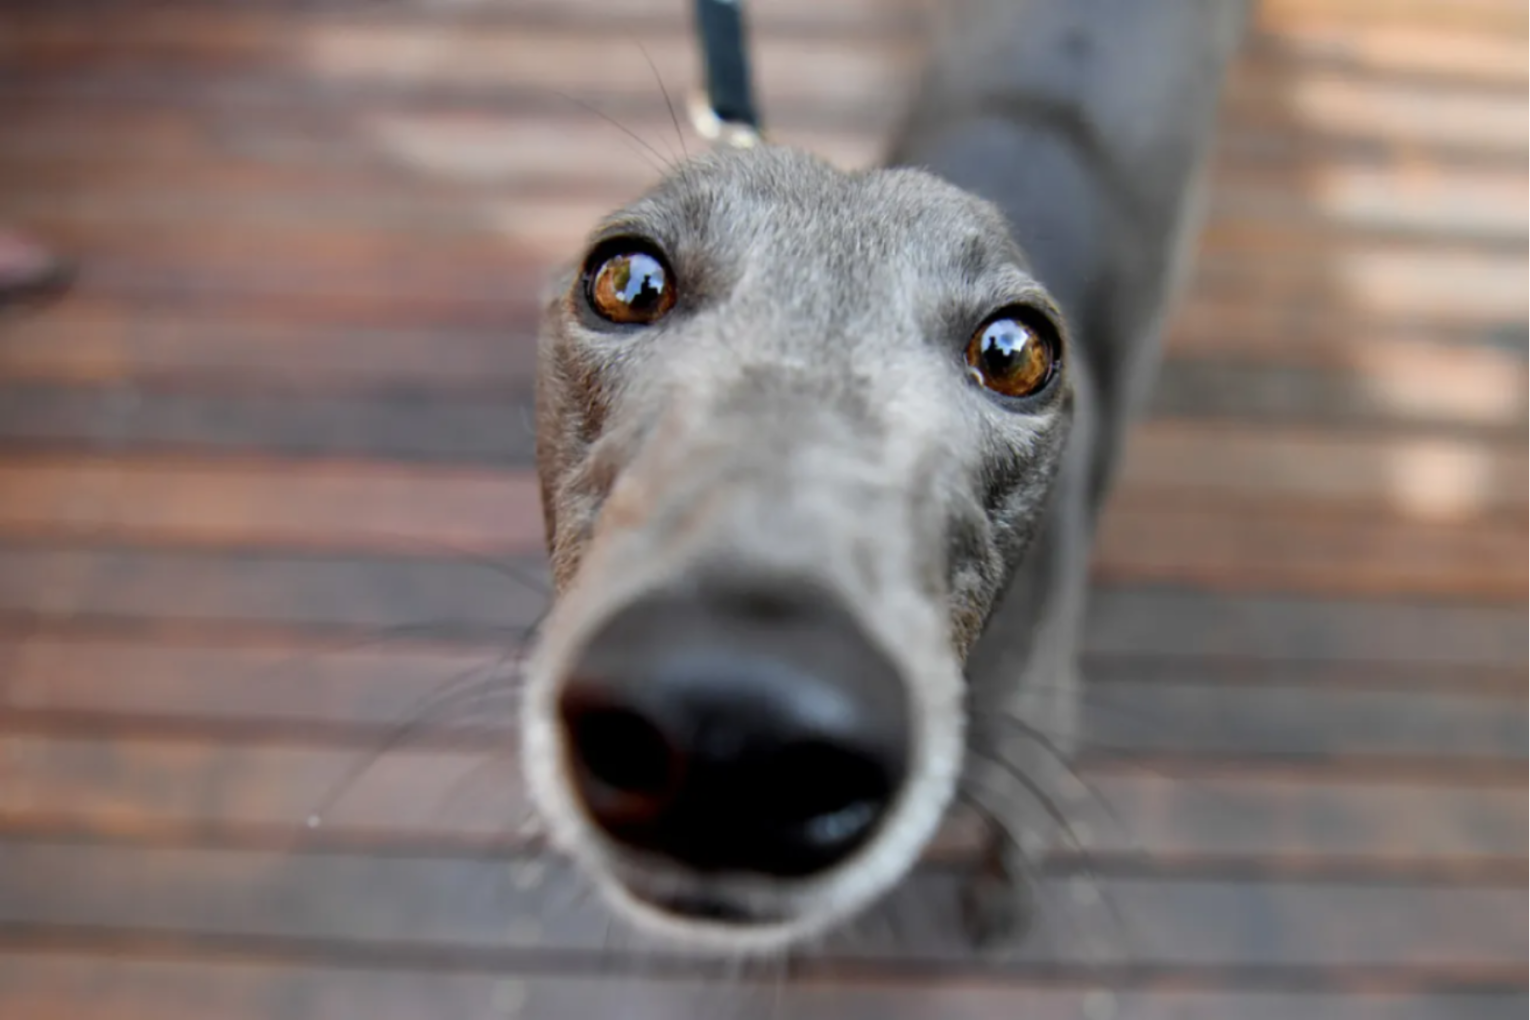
(821, 455)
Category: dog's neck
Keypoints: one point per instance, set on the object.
(1087, 122)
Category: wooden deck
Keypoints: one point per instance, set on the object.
(256, 471)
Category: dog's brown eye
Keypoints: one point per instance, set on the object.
(1013, 354)
(630, 285)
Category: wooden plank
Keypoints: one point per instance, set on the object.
(337, 506)
(1347, 275)
(1425, 479)
(1453, 52)
(357, 691)
(103, 987)
(1460, 285)
(1263, 98)
(133, 788)
(293, 591)
(467, 139)
(437, 514)
(1221, 361)
(1215, 707)
(1291, 714)
(1272, 823)
(870, 75)
(126, 86)
(50, 127)
(81, 341)
(455, 155)
(1315, 337)
(533, 11)
(445, 175)
(333, 593)
(422, 796)
(1336, 210)
(347, 53)
(1280, 236)
(1361, 184)
(1505, 682)
(1495, 17)
(401, 426)
(522, 241)
(75, 681)
(1274, 550)
(120, 290)
(462, 148)
(438, 174)
(330, 284)
(450, 162)
(361, 238)
(477, 910)
(1409, 386)
(147, 390)
(292, 686)
(277, 255)
(1460, 204)
(782, 15)
(1324, 380)
(1172, 621)
(1414, 114)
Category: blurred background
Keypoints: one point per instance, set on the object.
(270, 541)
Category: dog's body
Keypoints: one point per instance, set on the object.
(797, 542)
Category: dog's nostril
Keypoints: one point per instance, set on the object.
(737, 731)
(622, 749)
(824, 795)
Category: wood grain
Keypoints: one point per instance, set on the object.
(377, 794)
(478, 910)
(106, 342)
(300, 591)
(152, 989)
(430, 512)
(402, 426)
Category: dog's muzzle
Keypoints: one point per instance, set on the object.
(736, 730)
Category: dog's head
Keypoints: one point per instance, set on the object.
(795, 429)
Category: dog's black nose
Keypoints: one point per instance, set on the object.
(737, 730)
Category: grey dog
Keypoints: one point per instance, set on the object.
(821, 455)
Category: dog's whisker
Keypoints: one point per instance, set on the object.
(1062, 760)
(375, 637)
(1043, 799)
(669, 104)
(477, 689)
(480, 676)
(1053, 811)
(1042, 897)
(658, 160)
(1124, 758)
(1064, 826)
(504, 568)
(436, 710)
(1021, 858)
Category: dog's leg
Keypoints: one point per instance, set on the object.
(1087, 122)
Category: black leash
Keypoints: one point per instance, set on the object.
(727, 112)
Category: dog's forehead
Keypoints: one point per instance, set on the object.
(789, 207)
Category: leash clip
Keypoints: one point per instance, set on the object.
(725, 113)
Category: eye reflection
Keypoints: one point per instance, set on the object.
(1009, 356)
(631, 287)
